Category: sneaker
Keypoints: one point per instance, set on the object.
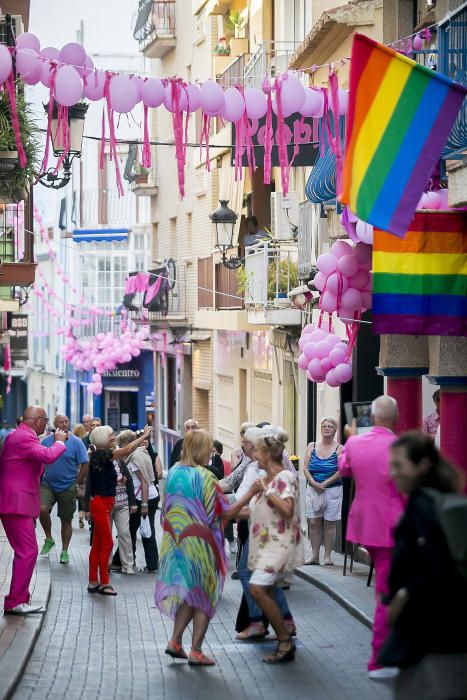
(233, 547)
(64, 558)
(129, 572)
(47, 546)
(384, 673)
(24, 609)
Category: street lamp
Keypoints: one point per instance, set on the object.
(76, 116)
(225, 220)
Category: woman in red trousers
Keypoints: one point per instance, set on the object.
(101, 487)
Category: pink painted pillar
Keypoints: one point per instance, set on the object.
(408, 393)
(453, 417)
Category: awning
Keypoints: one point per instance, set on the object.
(119, 387)
(321, 185)
(106, 235)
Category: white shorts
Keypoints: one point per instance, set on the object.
(259, 577)
(327, 505)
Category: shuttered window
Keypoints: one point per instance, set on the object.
(205, 283)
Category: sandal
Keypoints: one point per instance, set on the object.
(93, 589)
(176, 651)
(291, 630)
(255, 630)
(107, 589)
(197, 658)
(281, 654)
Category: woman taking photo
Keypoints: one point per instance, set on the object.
(192, 564)
(276, 546)
(427, 602)
(101, 488)
(324, 490)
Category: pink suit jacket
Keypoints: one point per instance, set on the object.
(378, 505)
(21, 466)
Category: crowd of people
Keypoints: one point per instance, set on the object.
(401, 485)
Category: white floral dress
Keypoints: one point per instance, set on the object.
(276, 545)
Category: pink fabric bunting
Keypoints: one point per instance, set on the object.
(10, 87)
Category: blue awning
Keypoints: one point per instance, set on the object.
(106, 235)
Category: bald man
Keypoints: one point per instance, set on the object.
(21, 466)
(59, 486)
(376, 508)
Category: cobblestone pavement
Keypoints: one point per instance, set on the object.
(95, 647)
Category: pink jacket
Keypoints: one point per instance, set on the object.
(21, 466)
(378, 505)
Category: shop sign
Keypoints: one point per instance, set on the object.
(18, 332)
(121, 373)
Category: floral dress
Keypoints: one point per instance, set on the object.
(275, 543)
(192, 564)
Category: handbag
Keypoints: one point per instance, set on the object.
(145, 527)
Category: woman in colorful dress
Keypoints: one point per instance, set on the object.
(276, 546)
(324, 490)
(192, 564)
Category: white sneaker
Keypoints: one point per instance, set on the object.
(233, 547)
(384, 673)
(129, 572)
(24, 609)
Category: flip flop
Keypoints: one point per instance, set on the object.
(93, 589)
(107, 589)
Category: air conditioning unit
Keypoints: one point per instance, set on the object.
(284, 216)
(18, 28)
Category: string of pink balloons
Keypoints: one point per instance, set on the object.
(76, 78)
(104, 352)
(324, 357)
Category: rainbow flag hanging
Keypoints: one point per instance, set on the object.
(400, 116)
(420, 281)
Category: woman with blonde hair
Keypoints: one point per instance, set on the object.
(324, 490)
(192, 565)
(80, 431)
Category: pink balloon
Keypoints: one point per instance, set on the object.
(346, 315)
(46, 74)
(322, 349)
(309, 328)
(153, 92)
(6, 63)
(337, 283)
(352, 299)
(360, 280)
(328, 301)
(94, 85)
(123, 93)
(28, 65)
(337, 356)
(332, 340)
(285, 111)
(314, 367)
(193, 94)
(313, 102)
(303, 361)
(68, 86)
(422, 202)
(292, 93)
(342, 102)
(256, 104)
(318, 335)
(348, 265)
(212, 98)
(418, 42)
(325, 365)
(88, 67)
(234, 108)
(50, 52)
(304, 339)
(340, 249)
(363, 253)
(343, 373)
(326, 263)
(364, 232)
(432, 200)
(309, 350)
(73, 53)
(444, 197)
(367, 300)
(331, 378)
(169, 102)
(126, 357)
(139, 86)
(27, 40)
(319, 281)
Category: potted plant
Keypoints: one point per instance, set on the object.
(237, 22)
(280, 282)
(222, 59)
(15, 181)
(141, 175)
(242, 282)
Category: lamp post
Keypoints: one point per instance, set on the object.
(76, 117)
(225, 220)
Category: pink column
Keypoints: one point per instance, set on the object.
(453, 415)
(408, 393)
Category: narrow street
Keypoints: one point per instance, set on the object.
(95, 647)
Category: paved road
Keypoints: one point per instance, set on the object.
(93, 647)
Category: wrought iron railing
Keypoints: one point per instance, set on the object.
(270, 58)
(156, 19)
(234, 73)
(271, 273)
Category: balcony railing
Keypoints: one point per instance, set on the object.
(16, 249)
(169, 304)
(270, 58)
(271, 273)
(174, 307)
(234, 73)
(155, 27)
(227, 292)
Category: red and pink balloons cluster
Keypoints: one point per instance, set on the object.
(324, 357)
(344, 279)
(103, 353)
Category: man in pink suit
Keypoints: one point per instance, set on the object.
(376, 508)
(21, 466)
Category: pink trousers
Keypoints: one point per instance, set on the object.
(21, 533)
(381, 557)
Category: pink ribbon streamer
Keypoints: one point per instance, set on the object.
(177, 125)
(48, 137)
(280, 137)
(335, 141)
(146, 152)
(10, 87)
(205, 140)
(268, 133)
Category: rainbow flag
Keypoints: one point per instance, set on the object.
(420, 281)
(400, 116)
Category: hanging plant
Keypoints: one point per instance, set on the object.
(15, 181)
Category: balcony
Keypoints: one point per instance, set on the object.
(155, 27)
(270, 58)
(270, 274)
(17, 266)
(231, 72)
(168, 308)
(145, 184)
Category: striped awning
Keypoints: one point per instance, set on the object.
(105, 235)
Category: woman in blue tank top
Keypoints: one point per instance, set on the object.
(324, 490)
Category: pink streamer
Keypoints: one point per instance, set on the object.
(10, 87)
(280, 137)
(177, 125)
(146, 153)
(268, 134)
(335, 141)
(205, 140)
(112, 138)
